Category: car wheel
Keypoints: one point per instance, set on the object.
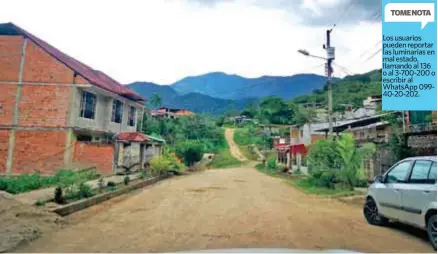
(371, 213)
(431, 230)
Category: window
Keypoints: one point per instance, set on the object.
(432, 174)
(131, 116)
(88, 105)
(117, 113)
(420, 172)
(84, 138)
(398, 173)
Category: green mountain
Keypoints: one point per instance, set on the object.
(349, 90)
(195, 102)
(234, 87)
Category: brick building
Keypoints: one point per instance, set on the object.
(56, 112)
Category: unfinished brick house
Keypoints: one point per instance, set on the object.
(56, 112)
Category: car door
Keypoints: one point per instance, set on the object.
(388, 193)
(419, 192)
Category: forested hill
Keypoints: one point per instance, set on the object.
(349, 90)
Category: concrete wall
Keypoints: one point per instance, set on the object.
(103, 113)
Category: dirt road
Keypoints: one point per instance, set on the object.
(234, 149)
(232, 208)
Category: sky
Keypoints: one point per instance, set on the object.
(163, 41)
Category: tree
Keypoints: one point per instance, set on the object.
(250, 111)
(156, 100)
(276, 110)
(352, 158)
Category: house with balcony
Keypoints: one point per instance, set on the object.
(56, 112)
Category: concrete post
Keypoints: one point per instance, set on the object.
(11, 144)
(142, 145)
(116, 156)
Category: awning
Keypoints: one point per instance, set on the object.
(294, 149)
(300, 148)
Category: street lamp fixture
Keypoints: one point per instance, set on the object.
(306, 53)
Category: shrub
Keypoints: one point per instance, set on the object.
(59, 197)
(126, 180)
(3, 184)
(40, 203)
(272, 164)
(111, 184)
(191, 151)
(166, 162)
(85, 190)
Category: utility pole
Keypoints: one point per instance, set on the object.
(330, 58)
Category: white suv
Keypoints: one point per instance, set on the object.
(405, 193)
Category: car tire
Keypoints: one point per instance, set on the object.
(371, 213)
(431, 230)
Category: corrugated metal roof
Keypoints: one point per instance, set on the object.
(95, 77)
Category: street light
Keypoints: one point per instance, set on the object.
(306, 53)
(329, 85)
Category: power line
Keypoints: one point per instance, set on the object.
(373, 55)
(345, 11)
(368, 50)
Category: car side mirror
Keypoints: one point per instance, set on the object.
(379, 179)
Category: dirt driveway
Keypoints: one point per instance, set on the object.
(232, 208)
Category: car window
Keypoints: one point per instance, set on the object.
(432, 174)
(398, 173)
(420, 172)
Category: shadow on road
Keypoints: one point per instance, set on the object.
(409, 231)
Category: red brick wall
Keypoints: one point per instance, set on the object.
(97, 155)
(42, 67)
(38, 150)
(10, 54)
(7, 102)
(45, 106)
(4, 142)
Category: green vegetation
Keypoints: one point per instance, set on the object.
(189, 137)
(168, 162)
(40, 203)
(29, 182)
(337, 164)
(350, 90)
(224, 159)
(246, 138)
(305, 184)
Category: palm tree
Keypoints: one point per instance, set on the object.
(156, 100)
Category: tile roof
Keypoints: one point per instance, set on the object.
(133, 137)
(95, 77)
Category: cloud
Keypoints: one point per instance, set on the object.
(317, 12)
(163, 41)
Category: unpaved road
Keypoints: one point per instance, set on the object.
(234, 148)
(232, 208)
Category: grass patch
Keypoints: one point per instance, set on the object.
(224, 159)
(29, 182)
(308, 187)
(305, 184)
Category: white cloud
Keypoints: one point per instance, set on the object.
(163, 41)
